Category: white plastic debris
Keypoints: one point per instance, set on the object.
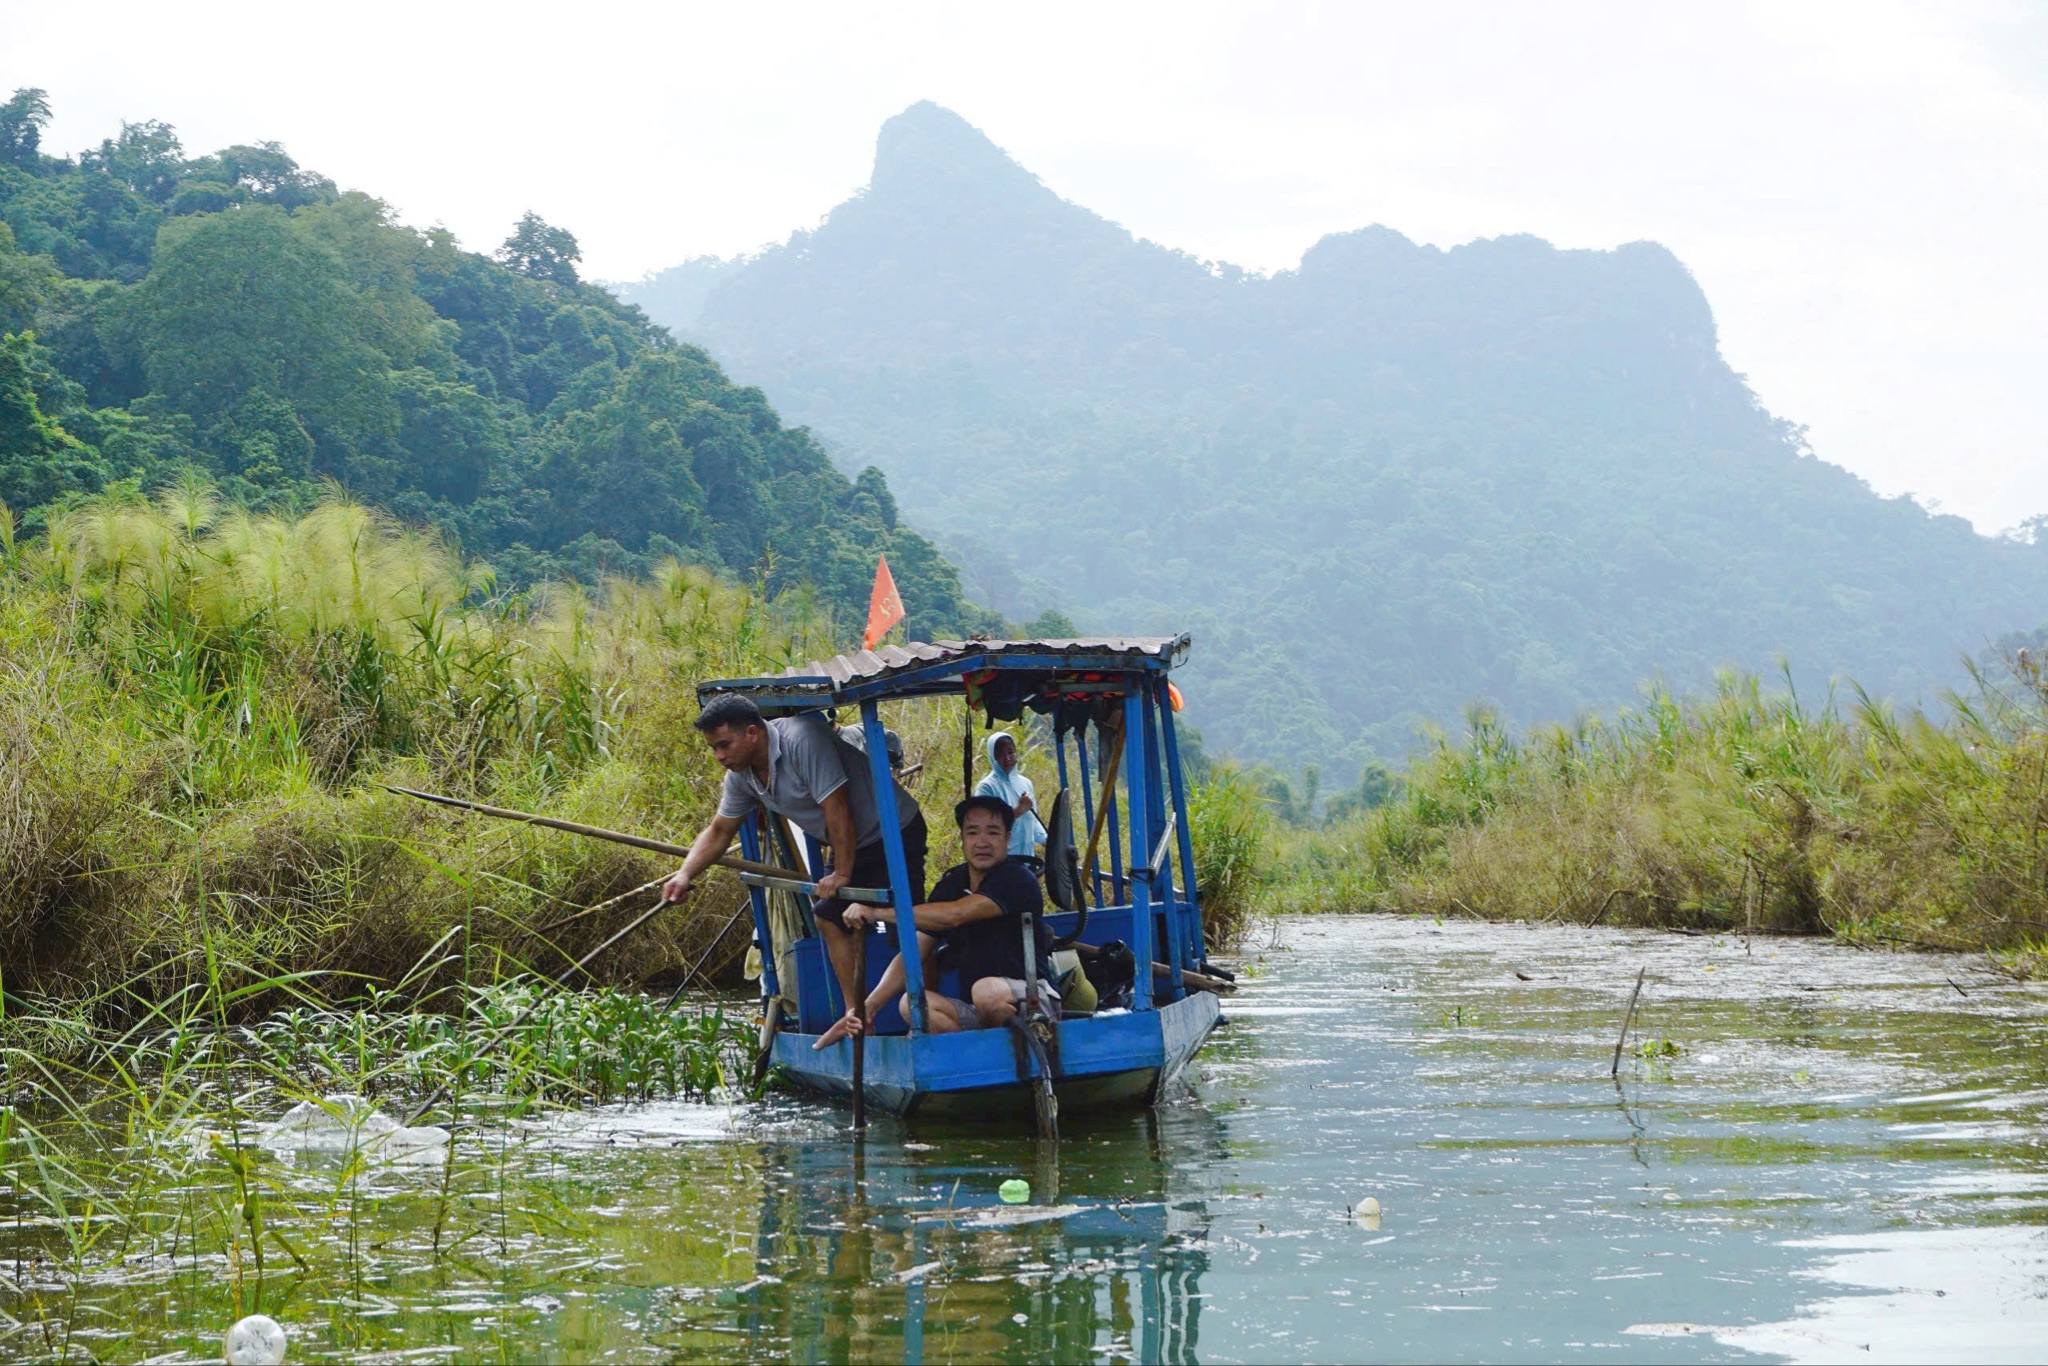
(254, 1341)
(343, 1123)
(1366, 1213)
(332, 1124)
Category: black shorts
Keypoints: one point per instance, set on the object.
(871, 869)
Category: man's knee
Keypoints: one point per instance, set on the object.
(992, 995)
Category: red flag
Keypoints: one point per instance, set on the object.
(885, 608)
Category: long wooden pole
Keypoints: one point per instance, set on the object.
(747, 867)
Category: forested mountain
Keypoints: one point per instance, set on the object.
(1390, 482)
(237, 317)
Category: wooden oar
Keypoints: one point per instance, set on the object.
(761, 874)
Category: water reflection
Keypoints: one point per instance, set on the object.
(899, 1248)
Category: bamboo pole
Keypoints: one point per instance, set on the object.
(770, 875)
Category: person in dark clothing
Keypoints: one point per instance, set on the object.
(978, 907)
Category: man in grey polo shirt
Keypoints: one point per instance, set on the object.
(798, 767)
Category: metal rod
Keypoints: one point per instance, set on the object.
(1158, 863)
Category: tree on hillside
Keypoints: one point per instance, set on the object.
(540, 251)
(39, 460)
(240, 315)
(147, 158)
(22, 121)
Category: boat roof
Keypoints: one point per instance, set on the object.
(919, 669)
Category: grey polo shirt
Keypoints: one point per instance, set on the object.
(808, 762)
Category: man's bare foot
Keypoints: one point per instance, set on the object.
(844, 1027)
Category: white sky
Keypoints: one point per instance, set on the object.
(1861, 188)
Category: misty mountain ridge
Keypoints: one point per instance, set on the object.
(1381, 485)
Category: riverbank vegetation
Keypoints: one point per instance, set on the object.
(1745, 809)
(198, 701)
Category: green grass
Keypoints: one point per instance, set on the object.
(1747, 809)
(196, 705)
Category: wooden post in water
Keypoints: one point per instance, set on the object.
(860, 1040)
(1626, 1021)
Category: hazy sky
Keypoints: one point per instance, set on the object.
(1861, 188)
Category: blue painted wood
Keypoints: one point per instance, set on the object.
(1141, 891)
(758, 900)
(909, 1072)
(1155, 826)
(905, 927)
(764, 939)
(1191, 893)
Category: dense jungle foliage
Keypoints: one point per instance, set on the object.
(237, 317)
(1377, 488)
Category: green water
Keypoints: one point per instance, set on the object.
(1839, 1155)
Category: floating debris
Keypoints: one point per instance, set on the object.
(257, 1340)
(343, 1123)
(1014, 1191)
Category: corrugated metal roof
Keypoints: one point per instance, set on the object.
(827, 677)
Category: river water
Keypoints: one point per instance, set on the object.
(1811, 1153)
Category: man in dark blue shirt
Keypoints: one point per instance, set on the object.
(979, 908)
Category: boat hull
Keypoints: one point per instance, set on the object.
(1107, 1062)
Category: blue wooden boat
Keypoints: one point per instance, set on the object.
(1115, 690)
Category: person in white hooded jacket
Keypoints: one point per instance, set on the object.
(1006, 782)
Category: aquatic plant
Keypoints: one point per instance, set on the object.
(153, 1152)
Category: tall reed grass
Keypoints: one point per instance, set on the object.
(1749, 808)
(195, 704)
